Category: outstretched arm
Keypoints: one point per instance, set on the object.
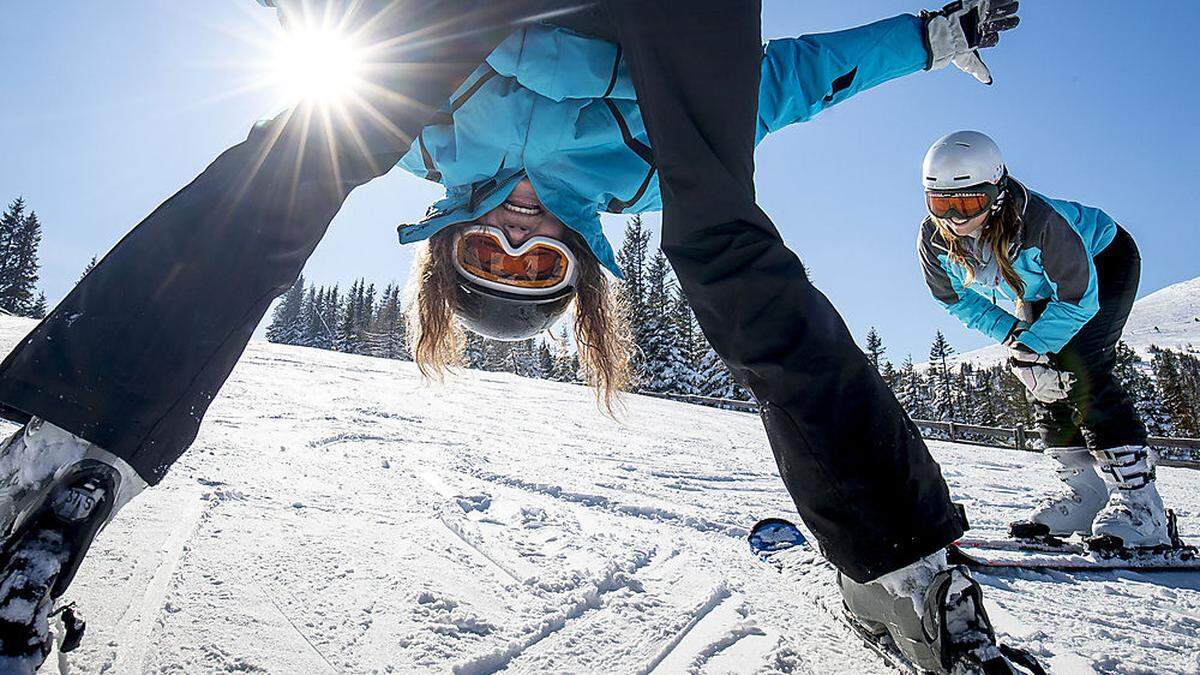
(803, 76)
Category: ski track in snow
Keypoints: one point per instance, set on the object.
(338, 515)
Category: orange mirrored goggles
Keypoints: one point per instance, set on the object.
(539, 266)
(962, 204)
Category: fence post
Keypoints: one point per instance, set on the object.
(1020, 436)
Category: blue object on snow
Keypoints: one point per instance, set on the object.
(775, 534)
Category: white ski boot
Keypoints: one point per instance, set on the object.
(935, 617)
(56, 492)
(1072, 509)
(1134, 516)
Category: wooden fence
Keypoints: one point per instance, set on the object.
(1180, 452)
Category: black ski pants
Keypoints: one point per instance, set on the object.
(856, 467)
(132, 357)
(1098, 413)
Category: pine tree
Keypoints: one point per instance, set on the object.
(875, 348)
(329, 308)
(311, 316)
(631, 258)
(1189, 371)
(473, 351)
(692, 344)
(941, 384)
(663, 367)
(1165, 364)
(910, 390)
(389, 326)
(566, 361)
(888, 372)
(347, 337)
(1131, 371)
(20, 237)
(90, 266)
(39, 308)
(285, 327)
(546, 368)
(496, 357)
(521, 356)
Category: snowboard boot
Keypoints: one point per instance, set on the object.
(56, 492)
(1072, 509)
(935, 617)
(1134, 516)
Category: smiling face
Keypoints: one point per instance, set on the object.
(522, 216)
(967, 228)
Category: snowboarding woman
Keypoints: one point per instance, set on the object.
(1072, 274)
(130, 360)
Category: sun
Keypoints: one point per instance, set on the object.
(316, 64)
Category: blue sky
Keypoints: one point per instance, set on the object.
(109, 108)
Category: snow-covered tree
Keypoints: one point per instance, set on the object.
(875, 348)
(286, 325)
(664, 366)
(20, 237)
(941, 380)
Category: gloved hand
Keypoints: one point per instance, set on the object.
(1018, 328)
(959, 30)
(1039, 374)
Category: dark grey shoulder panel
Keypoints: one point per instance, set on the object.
(1064, 256)
(929, 245)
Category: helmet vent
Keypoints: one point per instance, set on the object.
(963, 145)
(963, 177)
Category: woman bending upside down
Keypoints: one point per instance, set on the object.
(1072, 273)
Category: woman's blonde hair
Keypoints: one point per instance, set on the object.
(1002, 230)
(601, 332)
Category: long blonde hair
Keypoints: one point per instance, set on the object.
(601, 333)
(1000, 232)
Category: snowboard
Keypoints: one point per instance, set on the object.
(781, 544)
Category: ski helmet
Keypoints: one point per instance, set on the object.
(508, 292)
(505, 316)
(960, 160)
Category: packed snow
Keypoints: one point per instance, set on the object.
(1168, 318)
(338, 515)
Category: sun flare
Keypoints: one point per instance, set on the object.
(317, 64)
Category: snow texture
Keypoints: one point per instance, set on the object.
(337, 515)
(1168, 318)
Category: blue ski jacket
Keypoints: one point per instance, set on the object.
(1054, 256)
(559, 108)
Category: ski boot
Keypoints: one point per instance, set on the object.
(1072, 509)
(1134, 517)
(56, 492)
(935, 617)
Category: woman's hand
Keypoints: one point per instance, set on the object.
(1038, 373)
(957, 32)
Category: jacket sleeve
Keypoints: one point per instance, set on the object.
(805, 75)
(1071, 274)
(964, 303)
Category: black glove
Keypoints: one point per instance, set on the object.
(959, 30)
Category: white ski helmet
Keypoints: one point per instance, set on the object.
(960, 160)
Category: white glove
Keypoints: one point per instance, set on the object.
(1038, 373)
(959, 30)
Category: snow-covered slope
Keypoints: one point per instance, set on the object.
(337, 515)
(1168, 317)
